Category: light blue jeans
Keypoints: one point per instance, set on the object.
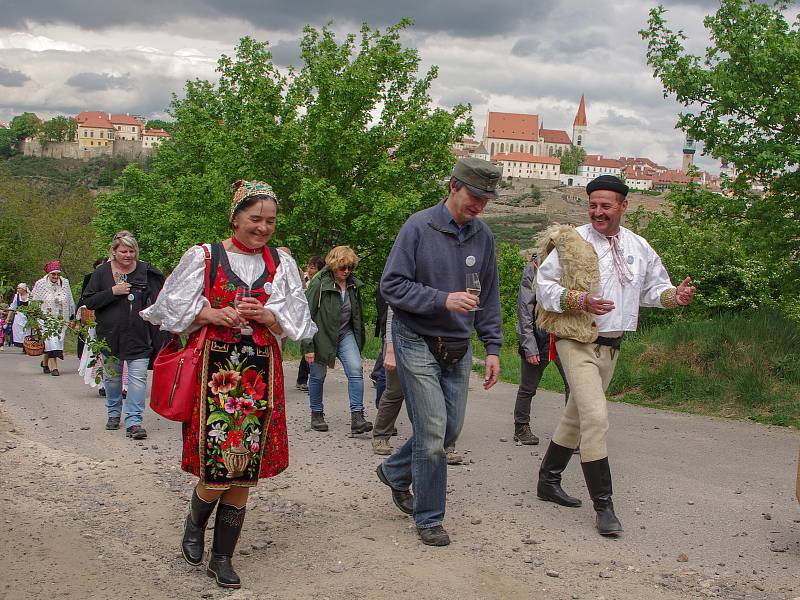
(436, 400)
(137, 389)
(350, 357)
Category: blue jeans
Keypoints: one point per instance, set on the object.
(436, 400)
(348, 353)
(137, 389)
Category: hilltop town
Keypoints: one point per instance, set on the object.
(526, 150)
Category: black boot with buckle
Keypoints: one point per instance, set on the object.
(553, 464)
(193, 542)
(598, 479)
(227, 527)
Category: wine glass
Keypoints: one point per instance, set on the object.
(474, 287)
(242, 292)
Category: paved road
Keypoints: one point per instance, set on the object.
(90, 514)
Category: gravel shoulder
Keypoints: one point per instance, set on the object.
(90, 514)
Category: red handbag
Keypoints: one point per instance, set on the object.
(175, 371)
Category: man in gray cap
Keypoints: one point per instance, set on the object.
(428, 273)
(630, 275)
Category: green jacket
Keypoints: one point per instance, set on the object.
(325, 303)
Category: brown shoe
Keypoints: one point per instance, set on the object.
(380, 445)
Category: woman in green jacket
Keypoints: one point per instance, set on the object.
(334, 297)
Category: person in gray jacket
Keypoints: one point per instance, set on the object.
(534, 346)
(425, 282)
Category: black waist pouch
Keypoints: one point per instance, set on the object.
(446, 350)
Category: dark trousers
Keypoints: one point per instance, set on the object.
(378, 375)
(530, 376)
(302, 372)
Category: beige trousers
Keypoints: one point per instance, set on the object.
(584, 422)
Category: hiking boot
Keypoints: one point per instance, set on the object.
(524, 435)
(453, 457)
(380, 445)
(358, 424)
(403, 500)
(318, 421)
(101, 392)
(433, 536)
(303, 387)
(137, 432)
(112, 423)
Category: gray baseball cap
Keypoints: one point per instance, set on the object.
(480, 176)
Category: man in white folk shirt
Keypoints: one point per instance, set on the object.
(597, 313)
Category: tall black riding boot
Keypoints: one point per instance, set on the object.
(227, 527)
(194, 533)
(553, 464)
(598, 479)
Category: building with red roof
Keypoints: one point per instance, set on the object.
(529, 166)
(153, 137)
(95, 129)
(595, 165)
(127, 127)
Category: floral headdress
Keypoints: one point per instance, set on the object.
(243, 189)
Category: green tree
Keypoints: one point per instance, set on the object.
(571, 159)
(742, 99)
(167, 126)
(58, 129)
(43, 222)
(8, 143)
(349, 141)
(24, 126)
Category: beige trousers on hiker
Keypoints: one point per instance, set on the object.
(584, 422)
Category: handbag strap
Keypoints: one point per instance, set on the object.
(201, 336)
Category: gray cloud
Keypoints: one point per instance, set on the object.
(472, 17)
(526, 46)
(12, 78)
(285, 53)
(95, 82)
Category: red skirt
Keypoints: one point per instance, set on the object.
(237, 433)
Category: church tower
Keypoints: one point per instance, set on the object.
(579, 127)
(688, 153)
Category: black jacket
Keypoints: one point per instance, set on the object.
(118, 322)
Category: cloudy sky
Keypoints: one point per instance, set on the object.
(533, 56)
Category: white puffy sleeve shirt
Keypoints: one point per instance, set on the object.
(649, 280)
(182, 297)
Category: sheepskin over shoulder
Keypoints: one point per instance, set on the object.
(579, 271)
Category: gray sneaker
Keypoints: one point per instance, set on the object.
(380, 445)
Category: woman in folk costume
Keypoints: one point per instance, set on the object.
(19, 322)
(237, 433)
(56, 297)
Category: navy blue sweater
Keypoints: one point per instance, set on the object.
(427, 262)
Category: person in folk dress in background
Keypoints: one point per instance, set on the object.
(19, 322)
(56, 297)
(237, 432)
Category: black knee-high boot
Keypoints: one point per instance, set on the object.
(553, 464)
(194, 533)
(598, 479)
(227, 527)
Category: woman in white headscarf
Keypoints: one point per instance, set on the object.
(54, 293)
(19, 326)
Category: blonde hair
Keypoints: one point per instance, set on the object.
(340, 256)
(123, 238)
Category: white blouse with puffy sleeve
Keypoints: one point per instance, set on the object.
(182, 297)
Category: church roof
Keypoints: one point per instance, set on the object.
(554, 136)
(513, 126)
(580, 118)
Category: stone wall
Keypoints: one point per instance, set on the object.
(129, 149)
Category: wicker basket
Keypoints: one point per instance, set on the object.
(33, 346)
